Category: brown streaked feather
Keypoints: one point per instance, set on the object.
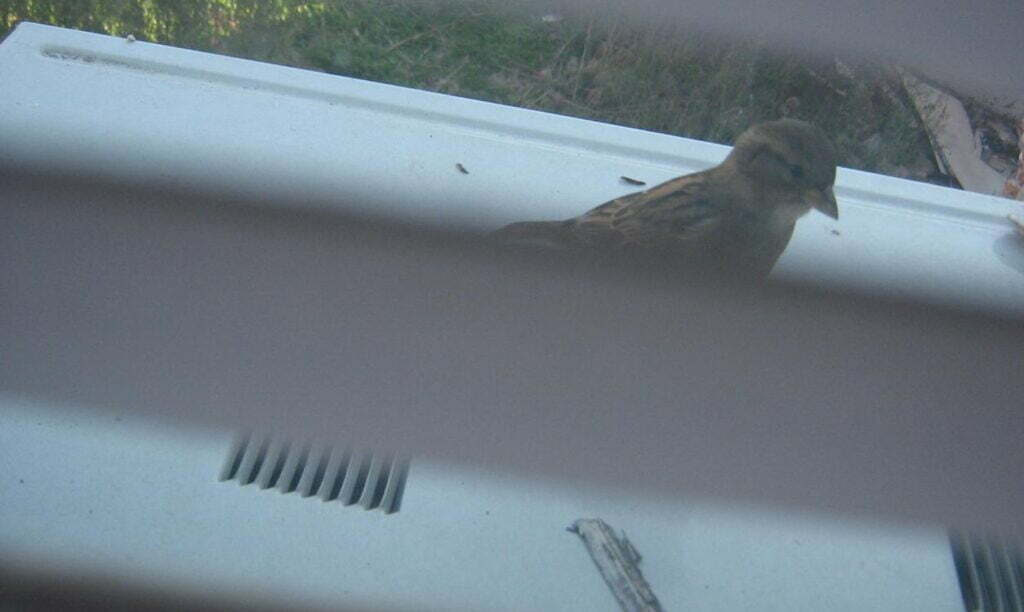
(666, 216)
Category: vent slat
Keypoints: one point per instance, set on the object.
(1011, 577)
(372, 480)
(352, 486)
(292, 470)
(990, 573)
(369, 483)
(389, 503)
(335, 467)
(251, 460)
(273, 464)
(234, 458)
(373, 490)
(316, 462)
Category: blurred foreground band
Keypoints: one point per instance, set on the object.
(213, 313)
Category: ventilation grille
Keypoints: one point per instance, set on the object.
(991, 573)
(372, 480)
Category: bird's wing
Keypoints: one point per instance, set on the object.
(678, 214)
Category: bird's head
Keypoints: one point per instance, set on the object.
(790, 158)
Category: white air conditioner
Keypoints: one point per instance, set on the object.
(109, 495)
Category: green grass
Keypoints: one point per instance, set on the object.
(682, 83)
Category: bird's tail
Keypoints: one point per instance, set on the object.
(534, 234)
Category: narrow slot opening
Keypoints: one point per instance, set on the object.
(278, 466)
(321, 468)
(339, 480)
(299, 468)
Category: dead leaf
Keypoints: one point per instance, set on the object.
(953, 141)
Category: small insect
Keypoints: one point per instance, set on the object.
(632, 181)
(461, 168)
(835, 232)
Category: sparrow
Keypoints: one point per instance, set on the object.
(733, 219)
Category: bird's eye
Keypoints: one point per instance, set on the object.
(797, 171)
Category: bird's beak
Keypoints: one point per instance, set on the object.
(823, 200)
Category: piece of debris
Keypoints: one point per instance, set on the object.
(835, 232)
(1018, 223)
(461, 168)
(956, 149)
(130, 38)
(618, 562)
(632, 181)
(1014, 187)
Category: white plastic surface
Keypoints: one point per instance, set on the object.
(146, 504)
(135, 111)
(108, 492)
